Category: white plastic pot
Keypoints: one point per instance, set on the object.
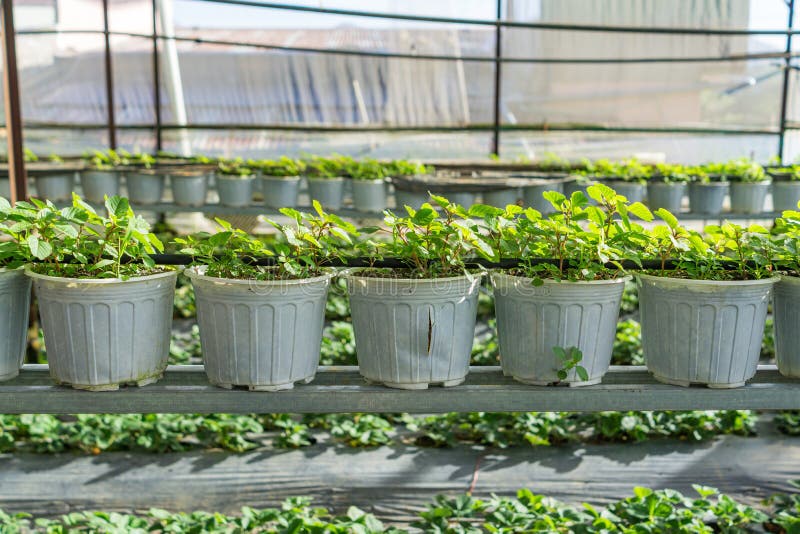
(532, 196)
(463, 198)
(96, 185)
(707, 198)
(531, 320)
(786, 314)
(145, 186)
(189, 188)
(15, 299)
(102, 333)
(413, 333)
(280, 191)
(56, 187)
(633, 191)
(785, 195)
(667, 195)
(703, 331)
(501, 197)
(262, 335)
(235, 191)
(749, 197)
(369, 195)
(328, 191)
(413, 199)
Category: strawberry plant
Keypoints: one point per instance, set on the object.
(310, 243)
(430, 245)
(78, 242)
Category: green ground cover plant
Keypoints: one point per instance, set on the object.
(646, 511)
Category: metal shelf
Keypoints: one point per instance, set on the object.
(185, 389)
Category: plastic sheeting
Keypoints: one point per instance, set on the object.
(62, 77)
(394, 482)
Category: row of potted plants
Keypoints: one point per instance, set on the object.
(664, 185)
(236, 180)
(707, 186)
(105, 305)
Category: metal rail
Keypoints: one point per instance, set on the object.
(185, 389)
(787, 68)
(505, 23)
(13, 110)
(476, 127)
(422, 57)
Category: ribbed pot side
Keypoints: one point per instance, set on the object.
(103, 333)
(532, 196)
(145, 187)
(633, 191)
(701, 331)
(413, 333)
(786, 314)
(328, 191)
(263, 335)
(665, 195)
(785, 195)
(369, 195)
(501, 197)
(707, 198)
(280, 192)
(96, 185)
(236, 192)
(189, 189)
(749, 197)
(15, 299)
(531, 320)
(412, 199)
(55, 187)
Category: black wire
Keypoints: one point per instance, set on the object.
(398, 263)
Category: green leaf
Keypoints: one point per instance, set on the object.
(667, 217)
(582, 373)
(220, 238)
(39, 249)
(117, 206)
(424, 216)
(600, 192)
(318, 207)
(102, 264)
(344, 236)
(484, 211)
(555, 198)
(641, 211)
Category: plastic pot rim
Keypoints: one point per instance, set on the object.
(97, 281)
(549, 281)
(354, 276)
(670, 281)
(325, 179)
(279, 178)
(787, 278)
(197, 272)
(236, 177)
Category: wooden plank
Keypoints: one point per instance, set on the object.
(185, 389)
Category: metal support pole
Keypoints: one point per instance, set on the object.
(787, 69)
(16, 158)
(156, 79)
(497, 55)
(112, 127)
